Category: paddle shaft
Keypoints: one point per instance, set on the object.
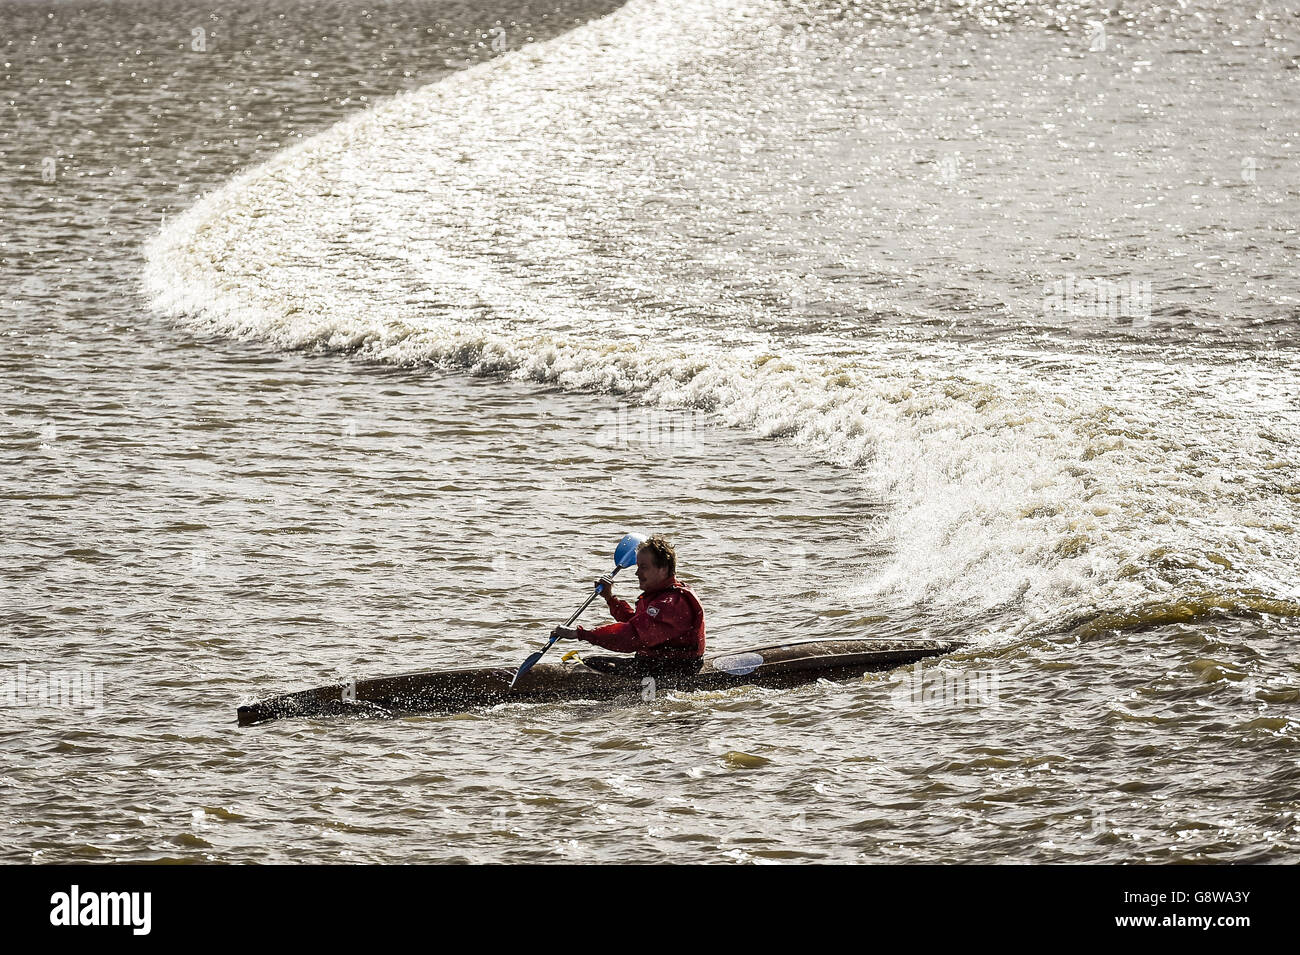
(587, 603)
(532, 660)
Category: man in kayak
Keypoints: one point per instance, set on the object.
(665, 630)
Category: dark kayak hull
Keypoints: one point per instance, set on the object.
(450, 691)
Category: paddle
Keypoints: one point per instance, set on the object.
(624, 556)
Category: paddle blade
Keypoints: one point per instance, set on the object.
(625, 552)
(526, 666)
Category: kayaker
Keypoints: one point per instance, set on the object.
(665, 630)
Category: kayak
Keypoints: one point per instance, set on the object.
(597, 678)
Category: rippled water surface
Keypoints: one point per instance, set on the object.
(901, 319)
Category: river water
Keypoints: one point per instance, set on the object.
(343, 339)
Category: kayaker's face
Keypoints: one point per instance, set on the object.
(649, 574)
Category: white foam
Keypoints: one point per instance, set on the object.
(1054, 485)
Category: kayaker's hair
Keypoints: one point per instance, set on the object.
(661, 552)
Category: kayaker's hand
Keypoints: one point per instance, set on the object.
(608, 581)
(563, 633)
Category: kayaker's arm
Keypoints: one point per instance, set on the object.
(619, 637)
(657, 622)
(620, 610)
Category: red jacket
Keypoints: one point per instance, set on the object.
(666, 625)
